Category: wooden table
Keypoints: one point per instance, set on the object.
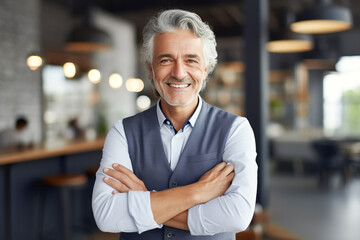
(13, 155)
(21, 170)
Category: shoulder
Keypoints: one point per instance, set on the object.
(241, 131)
(241, 122)
(142, 115)
(216, 110)
(220, 117)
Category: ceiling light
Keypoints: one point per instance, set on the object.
(289, 42)
(34, 61)
(134, 85)
(143, 102)
(115, 80)
(322, 18)
(69, 70)
(282, 40)
(87, 38)
(94, 76)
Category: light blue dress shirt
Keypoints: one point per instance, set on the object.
(131, 212)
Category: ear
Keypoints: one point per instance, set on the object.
(206, 72)
(151, 71)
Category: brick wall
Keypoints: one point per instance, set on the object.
(20, 88)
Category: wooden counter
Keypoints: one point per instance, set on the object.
(9, 156)
(21, 190)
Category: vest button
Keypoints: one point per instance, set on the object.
(169, 235)
(174, 184)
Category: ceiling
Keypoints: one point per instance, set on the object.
(225, 16)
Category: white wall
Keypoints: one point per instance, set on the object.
(122, 58)
(20, 88)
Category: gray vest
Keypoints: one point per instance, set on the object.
(202, 152)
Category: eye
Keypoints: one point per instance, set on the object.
(165, 61)
(192, 61)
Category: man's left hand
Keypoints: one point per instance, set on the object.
(123, 180)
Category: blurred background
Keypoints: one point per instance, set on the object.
(70, 68)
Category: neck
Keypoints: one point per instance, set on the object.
(178, 115)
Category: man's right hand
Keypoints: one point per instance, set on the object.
(215, 182)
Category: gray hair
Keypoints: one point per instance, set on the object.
(169, 21)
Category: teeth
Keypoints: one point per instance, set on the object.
(178, 85)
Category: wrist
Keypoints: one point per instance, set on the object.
(195, 193)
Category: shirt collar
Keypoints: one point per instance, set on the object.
(192, 120)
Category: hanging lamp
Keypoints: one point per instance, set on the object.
(86, 37)
(322, 17)
(289, 42)
(285, 41)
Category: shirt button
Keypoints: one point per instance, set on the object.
(169, 235)
(174, 184)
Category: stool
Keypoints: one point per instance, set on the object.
(92, 171)
(64, 182)
(89, 216)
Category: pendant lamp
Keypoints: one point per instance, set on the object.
(289, 42)
(322, 17)
(86, 37)
(283, 40)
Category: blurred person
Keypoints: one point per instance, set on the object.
(182, 169)
(17, 136)
(74, 131)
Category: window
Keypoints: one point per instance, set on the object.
(342, 98)
(65, 100)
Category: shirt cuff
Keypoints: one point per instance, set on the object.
(140, 210)
(195, 224)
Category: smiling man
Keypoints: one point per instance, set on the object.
(182, 169)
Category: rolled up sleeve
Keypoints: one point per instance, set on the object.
(121, 212)
(233, 211)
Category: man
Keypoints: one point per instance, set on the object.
(17, 136)
(182, 169)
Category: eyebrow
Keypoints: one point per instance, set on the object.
(197, 57)
(164, 56)
(172, 56)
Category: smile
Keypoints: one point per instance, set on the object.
(179, 85)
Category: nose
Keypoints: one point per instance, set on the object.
(179, 70)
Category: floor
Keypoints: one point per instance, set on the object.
(299, 205)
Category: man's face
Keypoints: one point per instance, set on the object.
(178, 67)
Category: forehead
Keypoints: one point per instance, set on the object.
(179, 41)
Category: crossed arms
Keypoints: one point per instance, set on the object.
(170, 206)
(222, 200)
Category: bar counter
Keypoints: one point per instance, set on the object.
(13, 155)
(21, 187)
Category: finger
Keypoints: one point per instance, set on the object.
(231, 176)
(228, 169)
(119, 176)
(127, 172)
(219, 166)
(116, 185)
(126, 177)
(129, 178)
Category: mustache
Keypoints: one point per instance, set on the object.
(186, 80)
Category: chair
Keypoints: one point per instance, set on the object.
(330, 159)
(64, 183)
